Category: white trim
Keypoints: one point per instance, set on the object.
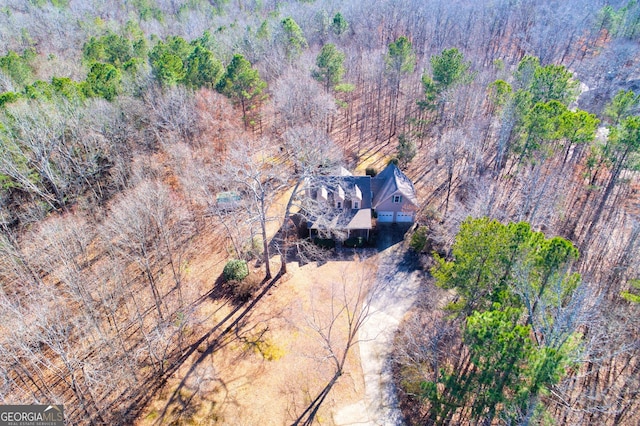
(386, 217)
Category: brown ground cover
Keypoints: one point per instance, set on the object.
(271, 364)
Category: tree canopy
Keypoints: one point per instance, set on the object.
(175, 61)
(339, 25)
(621, 106)
(502, 275)
(294, 41)
(487, 254)
(400, 57)
(242, 83)
(103, 80)
(330, 63)
(18, 66)
(546, 83)
(448, 70)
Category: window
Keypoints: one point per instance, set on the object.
(356, 205)
(397, 199)
(339, 205)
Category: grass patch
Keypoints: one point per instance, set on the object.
(264, 347)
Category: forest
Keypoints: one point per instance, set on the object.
(123, 122)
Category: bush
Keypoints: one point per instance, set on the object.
(419, 239)
(355, 242)
(8, 97)
(268, 350)
(326, 243)
(235, 270)
(370, 171)
(245, 289)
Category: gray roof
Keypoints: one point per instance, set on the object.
(349, 189)
(390, 181)
(354, 187)
(343, 220)
(361, 220)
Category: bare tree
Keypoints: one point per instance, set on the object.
(312, 152)
(254, 172)
(300, 100)
(144, 227)
(173, 114)
(336, 322)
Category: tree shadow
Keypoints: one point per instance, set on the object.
(294, 237)
(389, 234)
(233, 321)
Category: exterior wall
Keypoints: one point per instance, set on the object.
(364, 233)
(389, 206)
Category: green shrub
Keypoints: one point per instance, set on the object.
(8, 97)
(235, 270)
(326, 243)
(419, 239)
(370, 171)
(355, 242)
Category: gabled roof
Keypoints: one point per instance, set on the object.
(348, 190)
(341, 171)
(343, 188)
(389, 182)
(343, 220)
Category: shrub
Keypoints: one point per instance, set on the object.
(370, 171)
(326, 243)
(355, 242)
(235, 270)
(8, 97)
(245, 289)
(268, 350)
(419, 239)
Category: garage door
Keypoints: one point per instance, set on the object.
(385, 217)
(404, 217)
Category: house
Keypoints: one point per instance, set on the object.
(394, 197)
(341, 205)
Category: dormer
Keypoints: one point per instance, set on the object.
(323, 194)
(357, 198)
(338, 197)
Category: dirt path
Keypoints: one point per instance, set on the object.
(398, 286)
